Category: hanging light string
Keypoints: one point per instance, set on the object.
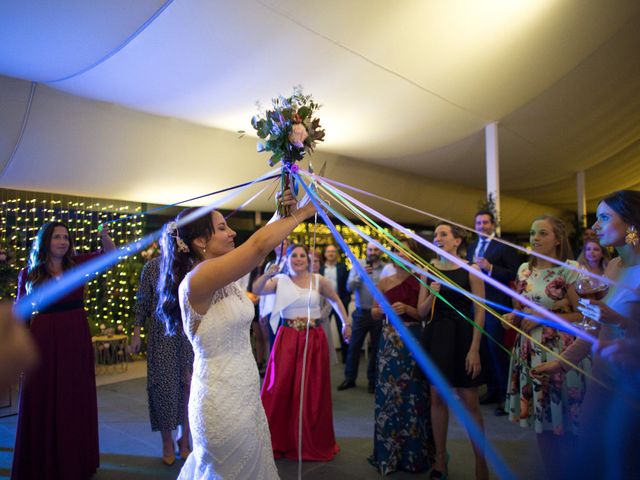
(436, 275)
(423, 360)
(555, 261)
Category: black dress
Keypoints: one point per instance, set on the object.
(448, 336)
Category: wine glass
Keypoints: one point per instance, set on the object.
(590, 288)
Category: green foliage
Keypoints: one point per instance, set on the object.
(276, 127)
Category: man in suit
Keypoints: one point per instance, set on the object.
(500, 262)
(337, 273)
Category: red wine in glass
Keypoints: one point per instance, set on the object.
(592, 289)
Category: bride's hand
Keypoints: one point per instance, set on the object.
(305, 207)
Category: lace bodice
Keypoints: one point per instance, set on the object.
(230, 432)
(225, 324)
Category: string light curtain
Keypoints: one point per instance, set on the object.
(109, 297)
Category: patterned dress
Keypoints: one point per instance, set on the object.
(169, 359)
(554, 407)
(402, 435)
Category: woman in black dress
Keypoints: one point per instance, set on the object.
(453, 343)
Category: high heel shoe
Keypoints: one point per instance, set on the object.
(184, 451)
(169, 460)
(437, 474)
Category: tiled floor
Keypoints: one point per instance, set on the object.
(129, 450)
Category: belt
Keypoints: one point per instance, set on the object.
(62, 307)
(300, 323)
(363, 310)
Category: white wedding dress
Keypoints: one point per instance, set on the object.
(231, 438)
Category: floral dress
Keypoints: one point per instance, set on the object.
(402, 436)
(556, 406)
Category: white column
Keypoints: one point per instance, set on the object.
(493, 169)
(582, 199)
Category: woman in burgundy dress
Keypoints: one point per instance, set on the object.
(57, 435)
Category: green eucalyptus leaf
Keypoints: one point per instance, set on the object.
(304, 112)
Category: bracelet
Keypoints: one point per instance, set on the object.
(292, 214)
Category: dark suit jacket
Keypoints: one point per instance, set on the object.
(343, 274)
(505, 261)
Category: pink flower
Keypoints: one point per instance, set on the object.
(298, 135)
(556, 289)
(548, 333)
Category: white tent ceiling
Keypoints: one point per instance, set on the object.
(140, 100)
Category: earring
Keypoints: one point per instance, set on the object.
(631, 238)
(204, 250)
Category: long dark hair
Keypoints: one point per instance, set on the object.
(39, 256)
(625, 203)
(175, 265)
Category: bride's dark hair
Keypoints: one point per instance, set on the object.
(176, 263)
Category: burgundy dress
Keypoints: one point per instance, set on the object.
(57, 436)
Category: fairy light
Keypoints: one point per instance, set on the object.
(109, 296)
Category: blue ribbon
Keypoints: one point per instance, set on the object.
(414, 347)
(52, 290)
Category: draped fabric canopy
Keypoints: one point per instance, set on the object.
(142, 100)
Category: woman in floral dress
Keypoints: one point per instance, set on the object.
(552, 409)
(402, 437)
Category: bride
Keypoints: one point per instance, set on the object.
(200, 266)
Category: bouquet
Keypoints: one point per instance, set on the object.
(290, 129)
